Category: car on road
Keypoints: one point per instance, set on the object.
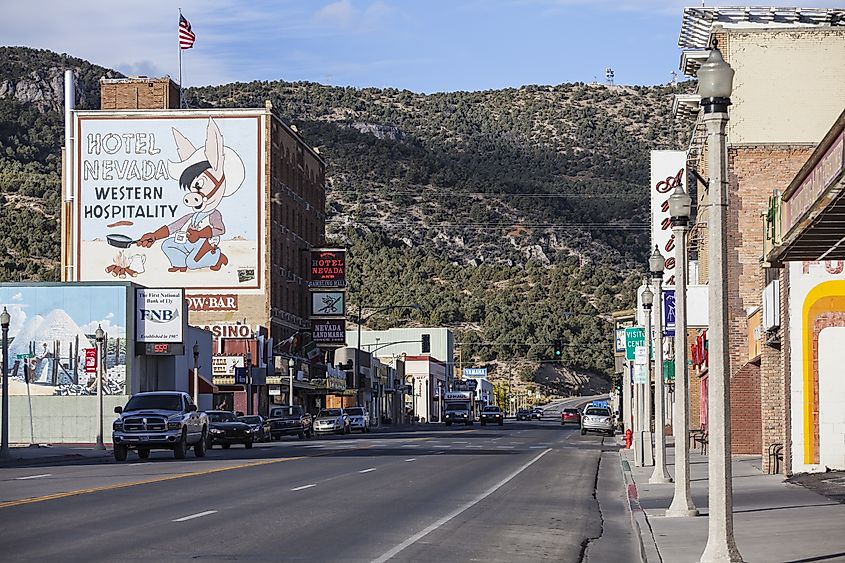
(225, 429)
(161, 420)
(597, 419)
(537, 413)
(359, 419)
(492, 415)
(570, 415)
(260, 426)
(332, 421)
(523, 414)
(290, 421)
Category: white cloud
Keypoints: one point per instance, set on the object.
(17, 297)
(340, 13)
(110, 316)
(113, 330)
(17, 316)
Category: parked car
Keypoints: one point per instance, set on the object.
(359, 419)
(225, 429)
(597, 419)
(159, 421)
(537, 412)
(492, 415)
(290, 421)
(523, 414)
(331, 421)
(260, 426)
(570, 415)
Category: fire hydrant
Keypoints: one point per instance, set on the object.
(629, 438)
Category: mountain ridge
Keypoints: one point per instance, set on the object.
(497, 210)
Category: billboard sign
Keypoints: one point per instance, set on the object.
(475, 372)
(328, 268)
(329, 331)
(328, 303)
(668, 169)
(159, 315)
(169, 200)
(224, 366)
(53, 326)
(620, 339)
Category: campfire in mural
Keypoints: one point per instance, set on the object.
(123, 265)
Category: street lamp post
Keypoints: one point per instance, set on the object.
(5, 319)
(196, 373)
(680, 204)
(660, 475)
(99, 335)
(715, 83)
(249, 383)
(291, 365)
(645, 445)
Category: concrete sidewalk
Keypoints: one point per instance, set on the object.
(774, 521)
(23, 455)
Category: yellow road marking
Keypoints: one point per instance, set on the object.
(76, 492)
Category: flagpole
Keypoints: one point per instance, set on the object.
(179, 46)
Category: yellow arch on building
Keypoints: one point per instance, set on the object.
(827, 297)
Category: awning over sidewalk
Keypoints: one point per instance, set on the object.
(811, 212)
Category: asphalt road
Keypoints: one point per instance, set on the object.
(522, 492)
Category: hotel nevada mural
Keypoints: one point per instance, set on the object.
(169, 200)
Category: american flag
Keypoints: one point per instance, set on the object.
(186, 36)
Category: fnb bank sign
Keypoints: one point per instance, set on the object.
(328, 268)
(160, 315)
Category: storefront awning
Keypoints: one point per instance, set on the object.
(809, 219)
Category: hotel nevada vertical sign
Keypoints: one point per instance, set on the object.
(328, 268)
(668, 169)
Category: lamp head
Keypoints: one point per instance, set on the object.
(196, 348)
(291, 363)
(655, 263)
(680, 205)
(648, 298)
(99, 334)
(715, 82)
(5, 318)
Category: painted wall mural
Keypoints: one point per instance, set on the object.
(52, 327)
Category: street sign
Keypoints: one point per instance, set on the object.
(640, 353)
(240, 376)
(90, 360)
(640, 374)
(634, 336)
(24, 356)
(620, 339)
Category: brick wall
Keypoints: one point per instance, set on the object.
(755, 170)
(745, 410)
(139, 93)
(773, 384)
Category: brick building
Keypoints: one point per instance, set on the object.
(777, 117)
(132, 160)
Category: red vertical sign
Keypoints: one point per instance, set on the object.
(90, 360)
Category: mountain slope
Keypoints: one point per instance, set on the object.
(516, 216)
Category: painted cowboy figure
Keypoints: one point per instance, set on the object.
(207, 175)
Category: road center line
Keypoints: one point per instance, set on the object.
(303, 487)
(197, 515)
(33, 477)
(411, 459)
(421, 534)
(367, 470)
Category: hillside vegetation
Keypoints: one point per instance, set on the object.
(516, 216)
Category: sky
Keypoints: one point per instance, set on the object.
(419, 45)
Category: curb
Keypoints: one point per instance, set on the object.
(639, 521)
(43, 460)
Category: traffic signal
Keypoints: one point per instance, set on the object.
(557, 349)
